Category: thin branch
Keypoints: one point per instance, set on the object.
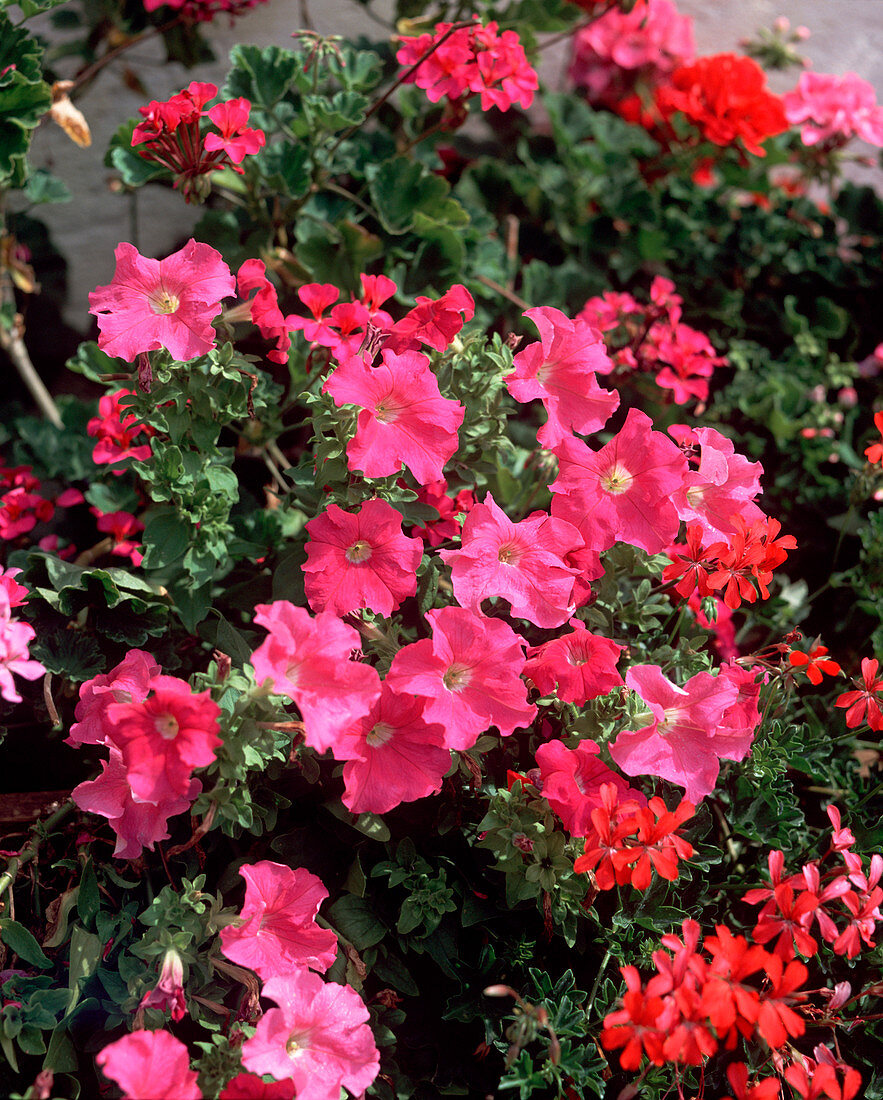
(492, 284)
(14, 346)
(30, 850)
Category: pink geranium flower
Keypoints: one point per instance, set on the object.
(14, 594)
(522, 562)
(834, 108)
(116, 429)
(129, 682)
(278, 932)
(317, 297)
(150, 1063)
(307, 659)
(248, 1086)
(235, 139)
(318, 1036)
(571, 781)
(170, 303)
(432, 321)
(560, 371)
(393, 755)
(137, 824)
(578, 666)
(469, 673)
(164, 737)
(682, 743)
(360, 560)
(622, 493)
(404, 418)
(264, 308)
(15, 637)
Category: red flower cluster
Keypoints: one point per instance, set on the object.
(628, 841)
(171, 136)
(204, 11)
(21, 508)
(651, 339)
(864, 704)
(471, 61)
(116, 430)
(726, 97)
(748, 558)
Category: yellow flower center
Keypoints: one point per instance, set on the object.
(359, 551)
(457, 677)
(166, 725)
(165, 303)
(617, 480)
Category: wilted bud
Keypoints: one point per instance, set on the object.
(70, 118)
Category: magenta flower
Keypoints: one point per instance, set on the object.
(622, 493)
(235, 139)
(361, 560)
(170, 303)
(578, 666)
(307, 659)
(12, 594)
(318, 1036)
(393, 755)
(522, 562)
(168, 993)
(404, 418)
(164, 737)
(571, 781)
(433, 321)
(137, 824)
(834, 108)
(116, 429)
(264, 308)
(278, 932)
(15, 637)
(150, 1063)
(469, 673)
(681, 744)
(560, 371)
(724, 486)
(248, 1086)
(129, 682)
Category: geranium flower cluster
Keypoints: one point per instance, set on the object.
(157, 732)
(704, 997)
(653, 339)
(174, 135)
(15, 637)
(318, 1037)
(865, 703)
(473, 60)
(726, 98)
(619, 52)
(116, 430)
(204, 11)
(831, 110)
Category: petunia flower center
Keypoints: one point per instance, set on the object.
(379, 735)
(166, 725)
(617, 480)
(456, 677)
(387, 410)
(510, 554)
(164, 303)
(297, 1044)
(577, 655)
(359, 551)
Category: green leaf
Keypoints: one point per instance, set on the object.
(285, 167)
(193, 604)
(166, 537)
(18, 939)
(356, 921)
(401, 189)
(134, 169)
(262, 76)
(42, 187)
(89, 900)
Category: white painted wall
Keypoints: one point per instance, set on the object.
(846, 35)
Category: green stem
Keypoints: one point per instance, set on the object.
(598, 978)
(40, 831)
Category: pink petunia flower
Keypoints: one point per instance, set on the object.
(164, 737)
(137, 824)
(15, 637)
(724, 485)
(571, 781)
(681, 744)
(578, 666)
(404, 418)
(307, 659)
(393, 755)
(129, 682)
(278, 932)
(622, 493)
(171, 303)
(522, 562)
(360, 560)
(168, 993)
(150, 1063)
(15, 594)
(469, 673)
(318, 1036)
(560, 371)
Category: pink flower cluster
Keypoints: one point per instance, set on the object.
(834, 109)
(470, 61)
(15, 637)
(619, 51)
(21, 505)
(652, 339)
(173, 136)
(152, 304)
(204, 11)
(116, 430)
(157, 732)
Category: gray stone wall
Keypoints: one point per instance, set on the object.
(846, 35)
